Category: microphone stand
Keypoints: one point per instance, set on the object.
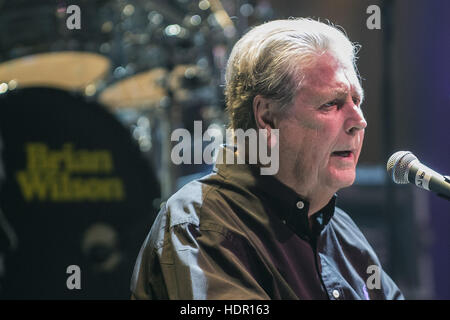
(447, 179)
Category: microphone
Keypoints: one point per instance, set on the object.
(404, 167)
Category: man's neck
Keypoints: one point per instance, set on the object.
(317, 197)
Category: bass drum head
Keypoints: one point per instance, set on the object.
(79, 198)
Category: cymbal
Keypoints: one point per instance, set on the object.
(69, 70)
(143, 90)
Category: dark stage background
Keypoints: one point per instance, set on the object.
(89, 112)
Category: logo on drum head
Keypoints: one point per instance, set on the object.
(69, 175)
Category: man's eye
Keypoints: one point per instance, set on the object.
(329, 104)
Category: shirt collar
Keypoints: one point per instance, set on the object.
(292, 209)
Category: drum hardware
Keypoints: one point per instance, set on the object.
(145, 95)
(100, 244)
(70, 70)
(144, 90)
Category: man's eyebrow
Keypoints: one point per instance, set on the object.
(340, 92)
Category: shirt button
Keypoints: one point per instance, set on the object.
(300, 205)
(336, 294)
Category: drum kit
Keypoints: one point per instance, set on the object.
(150, 63)
(150, 66)
(86, 116)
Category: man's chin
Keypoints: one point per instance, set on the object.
(342, 179)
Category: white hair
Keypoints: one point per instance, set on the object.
(269, 59)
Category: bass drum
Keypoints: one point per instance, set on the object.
(78, 198)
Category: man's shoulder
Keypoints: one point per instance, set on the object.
(200, 199)
(185, 204)
(346, 229)
(341, 217)
(183, 207)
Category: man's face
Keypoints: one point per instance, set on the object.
(321, 134)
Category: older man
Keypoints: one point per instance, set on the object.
(237, 234)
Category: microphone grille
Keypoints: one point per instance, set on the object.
(397, 166)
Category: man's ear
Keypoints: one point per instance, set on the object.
(263, 112)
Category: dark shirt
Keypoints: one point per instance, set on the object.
(236, 234)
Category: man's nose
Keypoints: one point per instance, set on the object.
(355, 120)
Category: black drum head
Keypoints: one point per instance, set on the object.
(77, 192)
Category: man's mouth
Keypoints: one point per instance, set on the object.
(343, 153)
